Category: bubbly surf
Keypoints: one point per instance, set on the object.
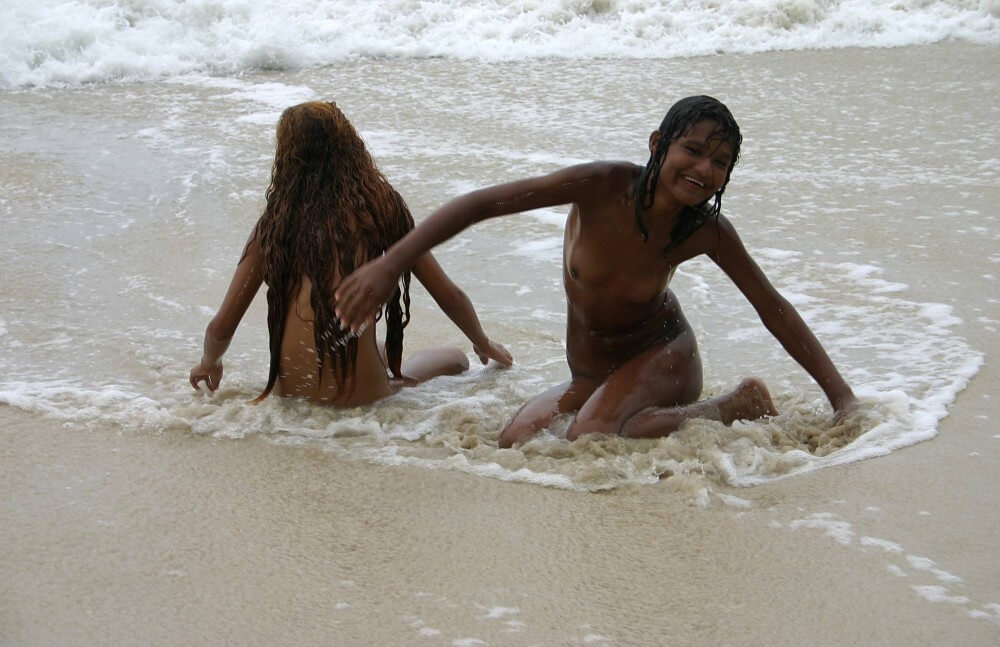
(50, 42)
(136, 201)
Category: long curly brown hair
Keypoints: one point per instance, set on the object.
(329, 210)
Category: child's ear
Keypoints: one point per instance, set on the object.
(654, 141)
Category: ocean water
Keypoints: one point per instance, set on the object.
(45, 42)
(136, 148)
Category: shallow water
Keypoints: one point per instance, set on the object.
(866, 192)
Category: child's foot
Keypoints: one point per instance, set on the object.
(749, 401)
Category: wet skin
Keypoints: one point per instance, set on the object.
(323, 185)
(628, 344)
(298, 371)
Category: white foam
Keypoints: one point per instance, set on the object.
(904, 356)
(547, 249)
(884, 544)
(432, 416)
(989, 611)
(924, 564)
(45, 42)
(900, 426)
(489, 470)
(554, 217)
(776, 254)
(839, 530)
(500, 612)
(895, 570)
(933, 593)
(734, 501)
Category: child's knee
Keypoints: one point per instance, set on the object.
(507, 439)
(455, 361)
(446, 361)
(435, 362)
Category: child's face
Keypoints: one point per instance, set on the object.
(696, 164)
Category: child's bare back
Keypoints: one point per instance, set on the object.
(328, 210)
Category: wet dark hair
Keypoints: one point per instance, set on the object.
(680, 119)
(329, 210)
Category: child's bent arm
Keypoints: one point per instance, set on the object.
(780, 317)
(361, 293)
(220, 330)
(456, 304)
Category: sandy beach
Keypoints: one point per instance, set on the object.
(136, 512)
(114, 538)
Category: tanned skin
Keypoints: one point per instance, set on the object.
(632, 355)
(329, 209)
(369, 381)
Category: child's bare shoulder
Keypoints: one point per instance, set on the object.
(612, 171)
(607, 178)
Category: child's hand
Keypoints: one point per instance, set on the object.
(493, 351)
(845, 407)
(211, 376)
(362, 293)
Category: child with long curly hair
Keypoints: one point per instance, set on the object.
(329, 210)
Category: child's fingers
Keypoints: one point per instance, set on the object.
(210, 380)
(505, 357)
(353, 301)
(345, 298)
(350, 309)
(496, 352)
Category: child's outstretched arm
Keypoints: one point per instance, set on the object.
(368, 287)
(780, 317)
(220, 330)
(456, 304)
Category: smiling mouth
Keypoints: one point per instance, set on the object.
(694, 181)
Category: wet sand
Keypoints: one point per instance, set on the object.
(121, 538)
(133, 537)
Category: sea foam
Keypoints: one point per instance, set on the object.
(52, 42)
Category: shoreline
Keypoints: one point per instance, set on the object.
(872, 167)
(116, 537)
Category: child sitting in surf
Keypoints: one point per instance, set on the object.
(633, 360)
(329, 210)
